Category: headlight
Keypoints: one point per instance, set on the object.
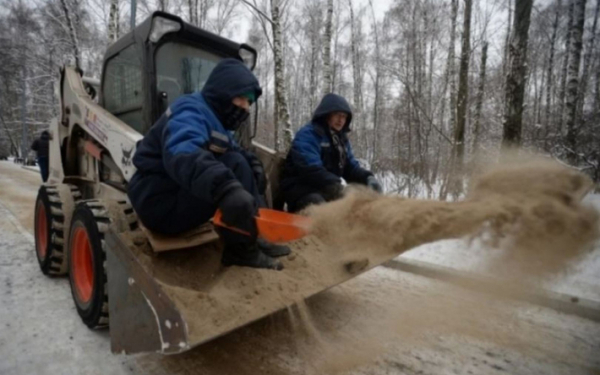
(162, 26)
(248, 56)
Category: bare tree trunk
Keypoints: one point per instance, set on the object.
(516, 76)
(72, 33)
(13, 145)
(282, 115)
(327, 68)
(539, 93)
(336, 50)
(375, 147)
(355, 64)
(452, 65)
(201, 17)
(164, 5)
(597, 96)
(192, 7)
(356, 76)
(507, 40)
(587, 59)
(573, 76)
(479, 99)
(551, 63)
(563, 83)
(450, 71)
(313, 64)
(463, 89)
(113, 21)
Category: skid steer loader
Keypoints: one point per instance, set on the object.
(157, 293)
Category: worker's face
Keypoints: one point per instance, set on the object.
(337, 120)
(242, 102)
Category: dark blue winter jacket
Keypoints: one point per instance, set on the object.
(179, 151)
(313, 160)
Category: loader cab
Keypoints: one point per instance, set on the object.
(160, 60)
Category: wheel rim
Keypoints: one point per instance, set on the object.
(41, 230)
(82, 265)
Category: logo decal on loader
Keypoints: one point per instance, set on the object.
(126, 160)
(91, 120)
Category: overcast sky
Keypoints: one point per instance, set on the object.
(379, 6)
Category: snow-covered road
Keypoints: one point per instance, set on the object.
(383, 322)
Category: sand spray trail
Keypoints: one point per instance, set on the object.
(530, 209)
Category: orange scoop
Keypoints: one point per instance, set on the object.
(273, 226)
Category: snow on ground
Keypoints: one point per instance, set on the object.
(383, 322)
(38, 321)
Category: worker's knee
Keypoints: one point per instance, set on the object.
(234, 159)
(240, 168)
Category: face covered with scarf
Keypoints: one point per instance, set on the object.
(238, 112)
(230, 90)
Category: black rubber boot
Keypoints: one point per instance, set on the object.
(271, 249)
(248, 256)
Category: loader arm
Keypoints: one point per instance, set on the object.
(110, 140)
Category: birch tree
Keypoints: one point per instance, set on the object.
(463, 89)
(573, 75)
(282, 112)
(327, 64)
(314, 29)
(564, 70)
(377, 82)
(549, 79)
(587, 62)
(451, 68)
(479, 98)
(72, 33)
(193, 12)
(515, 78)
(356, 74)
(113, 21)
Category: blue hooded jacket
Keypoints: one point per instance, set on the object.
(179, 151)
(313, 160)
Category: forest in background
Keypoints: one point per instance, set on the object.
(435, 84)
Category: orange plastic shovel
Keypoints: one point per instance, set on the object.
(273, 226)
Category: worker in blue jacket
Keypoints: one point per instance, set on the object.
(188, 165)
(320, 156)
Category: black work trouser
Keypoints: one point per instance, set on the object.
(179, 211)
(43, 164)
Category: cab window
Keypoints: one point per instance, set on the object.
(182, 69)
(123, 87)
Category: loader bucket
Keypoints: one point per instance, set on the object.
(174, 301)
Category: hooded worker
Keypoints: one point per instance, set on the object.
(189, 165)
(41, 146)
(320, 156)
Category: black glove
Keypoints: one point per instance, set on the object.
(332, 192)
(374, 184)
(239, 209)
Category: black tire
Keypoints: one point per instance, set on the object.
(91, 218)
(51, 252)
(43, 232)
